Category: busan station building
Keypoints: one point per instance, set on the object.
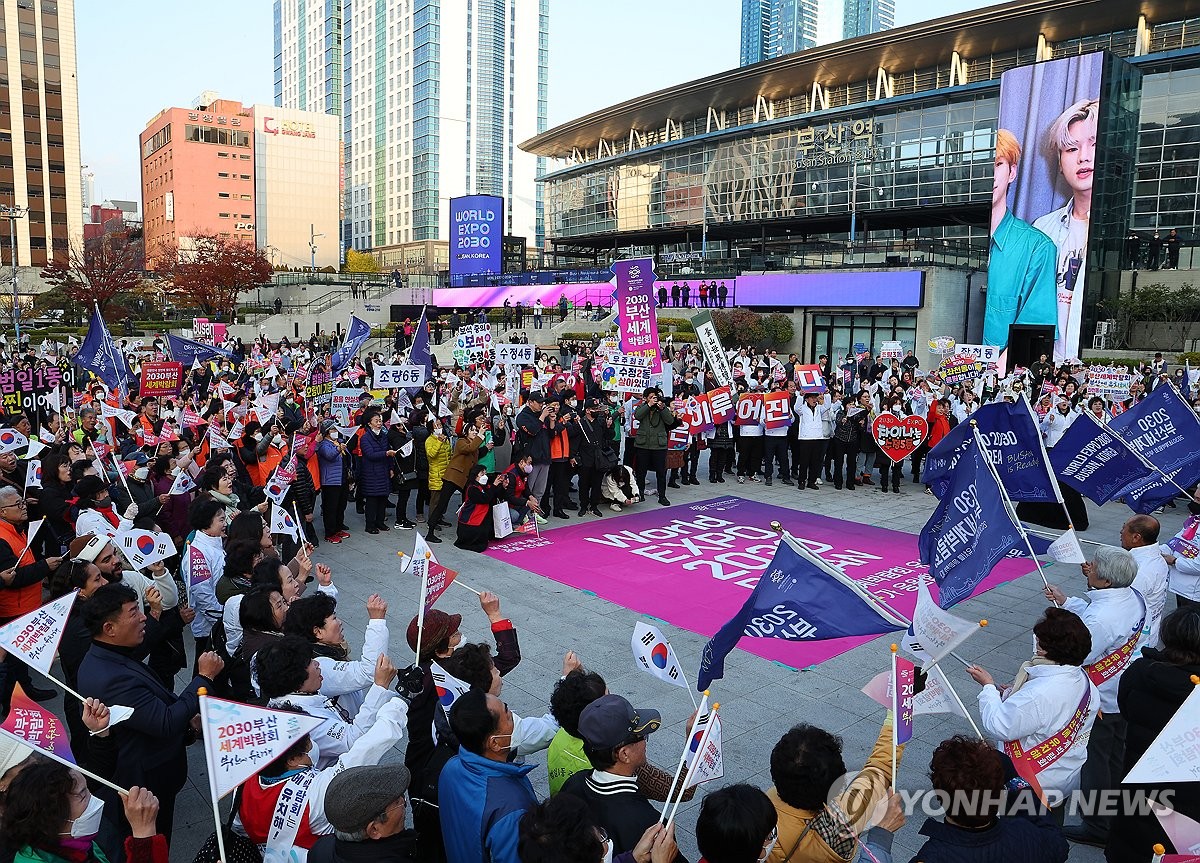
(853, 182)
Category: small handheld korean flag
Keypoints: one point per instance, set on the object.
(703, 757)
(446, 686)
(282, 522)
(259, 737)
(654, 655)
(33, 474)
(182, 484)
(33, 638)
(934, 632)
(12, 440)
(144, 547)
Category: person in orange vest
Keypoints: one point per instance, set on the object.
(20, 589)
(149, 423)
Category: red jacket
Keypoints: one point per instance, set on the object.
(259, 798)
(939, 426)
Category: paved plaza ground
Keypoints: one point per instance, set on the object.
(759, 699)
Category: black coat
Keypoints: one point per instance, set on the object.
(1150, 692)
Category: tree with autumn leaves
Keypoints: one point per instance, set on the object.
(106, 266)
(212, 272)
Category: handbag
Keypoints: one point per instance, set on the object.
(238, 848)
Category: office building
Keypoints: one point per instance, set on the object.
(861, 17)
(308, 55)
(435, 97)
(773, 28)
(297, 159)
(39, 147)
(253, 174)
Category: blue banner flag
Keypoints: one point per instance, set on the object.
(100, 356)
(1164, 430)
(357, 334)
(799, 598)
(189, 352)
(970, 530)
(1097, 463)
(419, 354)
(1015, 446)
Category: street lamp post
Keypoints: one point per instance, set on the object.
(312, 247)
(12, 214)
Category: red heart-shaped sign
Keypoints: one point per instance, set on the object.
(899, 437)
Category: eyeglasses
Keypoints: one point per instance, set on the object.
(21, 504)
(383, 816)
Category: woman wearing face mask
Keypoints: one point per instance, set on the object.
(51, 817)
(335, 471)
(737, 824)
(375, 470)
(173, 515)
(95, 507)
(475, 515)
(404, 473)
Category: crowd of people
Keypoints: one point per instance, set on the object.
(234, 606)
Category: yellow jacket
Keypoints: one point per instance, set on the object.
(858, 801)
(437, 450)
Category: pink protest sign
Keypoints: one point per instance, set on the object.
(694, 565)
(637, 320)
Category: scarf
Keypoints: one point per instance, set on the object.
(1022, 676)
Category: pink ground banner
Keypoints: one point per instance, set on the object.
(694, 565)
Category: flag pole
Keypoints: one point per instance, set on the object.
(1008, 507)
(895, 711)
(1046, 461)
(124, 481)
(683, 756)
(212, 773)
(421, 606)
(692, 769)
(63, 761)
(29, 540)
(963, 707)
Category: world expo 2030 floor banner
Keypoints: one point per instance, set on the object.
(693, 565)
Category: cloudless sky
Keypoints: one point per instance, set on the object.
(137, 57)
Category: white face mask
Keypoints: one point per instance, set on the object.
(88, 824)
(277, 440)
(483, 479)
(314, 754)
(608, 852)
(528, 468)
(769, 848)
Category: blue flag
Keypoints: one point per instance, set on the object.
(970, 530)
(1097, 463)
(189, 352)
(100, 356)
(418, 354)
(1015, 444)
(1164, 430)
(799, 598)
(356, 336)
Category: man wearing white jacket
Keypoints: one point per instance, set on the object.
(1115, 614)
(1139, 536)
(1183, 560)
(1056, 421)
(289, 675)
(1051, 695)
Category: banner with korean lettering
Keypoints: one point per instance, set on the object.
(1109, 382)
(161, 380)
(513, 354)
(809, 378)
(721, 405)
(406, 376)
(637, 321)
(627, 373)
(749, 409)
(989, 355)
(318, 388)
(33, 725)
(31, 391)
(241, 739)
(714, 352)
(777, 410)
(473, 344)
(697, 414)
(33, 638)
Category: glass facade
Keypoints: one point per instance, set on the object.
(427, 42)
(1166, 184)
(861, 17)
(756, 31)
(836, 335)
(909, 156)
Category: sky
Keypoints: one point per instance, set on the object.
(599, 55)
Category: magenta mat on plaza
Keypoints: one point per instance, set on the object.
(693, 565)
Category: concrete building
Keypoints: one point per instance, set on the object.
(434, 101)
(40, 176)
(297, 160)
(198, 174)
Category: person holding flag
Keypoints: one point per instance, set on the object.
(1115, 614)
(1050, 703)
(21, 577)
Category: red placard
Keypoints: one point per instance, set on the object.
(721, 402)
(749, 409)
(777, 409)
(899, 437)
(161, 379)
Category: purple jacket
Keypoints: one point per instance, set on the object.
(374, 468)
